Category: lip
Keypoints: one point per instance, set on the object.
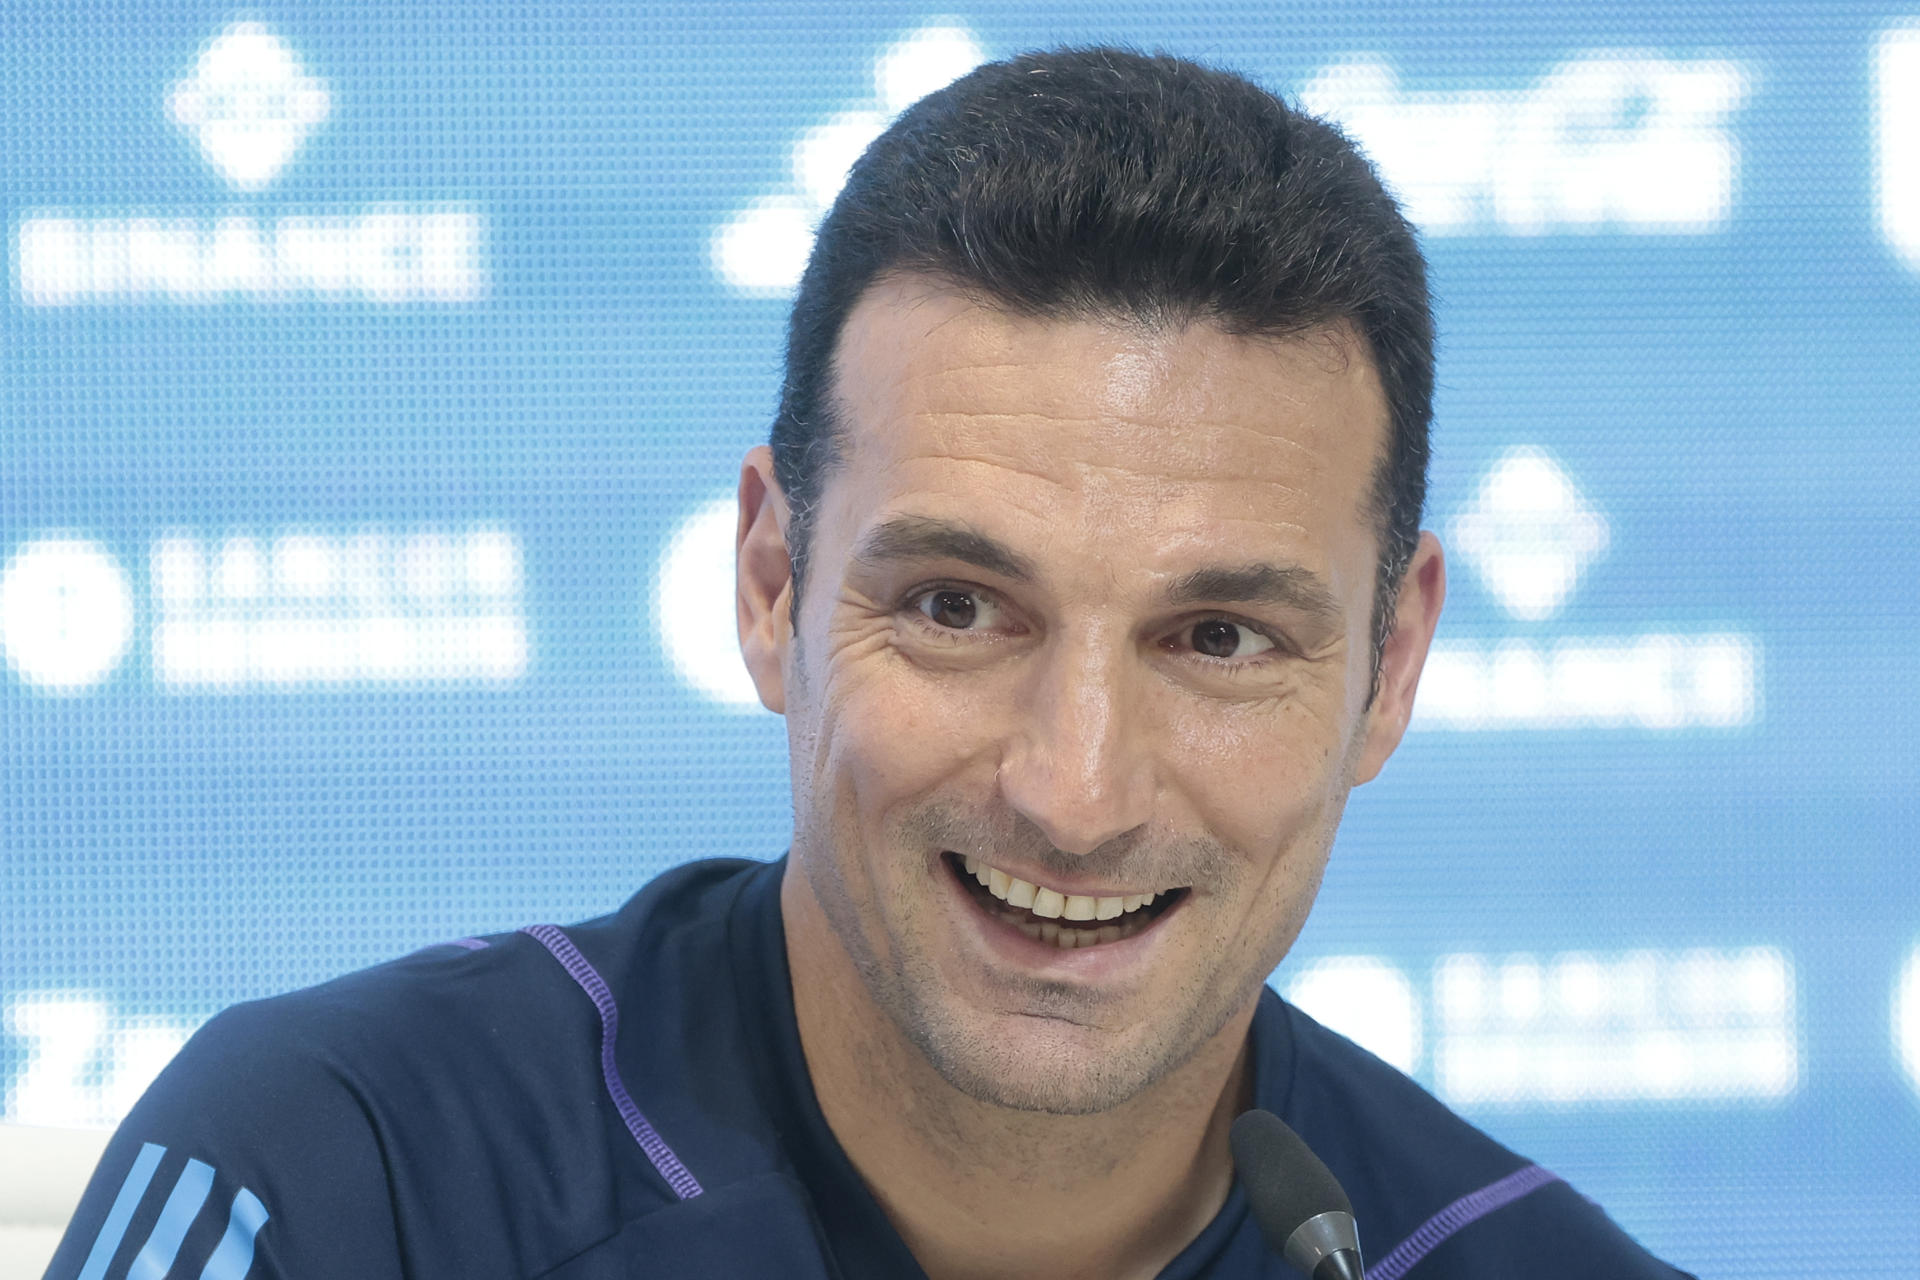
(1108, 963)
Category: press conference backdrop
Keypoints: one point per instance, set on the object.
(376, 377)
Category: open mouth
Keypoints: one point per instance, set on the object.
(1067, 921)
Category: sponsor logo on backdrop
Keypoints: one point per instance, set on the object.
(1366, 999)
(288, 609)
(85, 1064)
(1572, 1027)
(66, 613)
(1528, 534)
(763, 248)
(1706, 1025)
(249, 106)
(306, 608)
(1620, 143)
(1896, 97)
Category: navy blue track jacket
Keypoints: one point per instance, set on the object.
(627, 1098)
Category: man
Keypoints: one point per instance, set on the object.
(1085, 566)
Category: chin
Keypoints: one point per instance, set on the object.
(1044, 1083)
(1042, 1065)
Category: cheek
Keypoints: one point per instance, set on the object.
(890, 738)
(1262, 780)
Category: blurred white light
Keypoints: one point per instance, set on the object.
(827, 151)
(1698, 989)
(179, 575)
(385, 254)
(1617, 142)
(1896, 95)
(1529, 533)
(327, 609)
(427, 565)
(1365, 999)
(694, 606)
(303, 565)
(66, 613)
(931, 58)
(1656, 681)
(63, 1031)
(249, 104)
(762, 248)
(1766, 1065)
(1519, 685)
(1579, 987)
(1762, 984)
(499, 646)
(1661, 1065)
(240, 572)
(1582, 1027)
(1521, 990)
(140, 1049)
(49, 259)
(84, 1067)
(364, 561)
(1634, 979)
(387, 647)
(493, 562)
(1906, 1018)
(1460, 987)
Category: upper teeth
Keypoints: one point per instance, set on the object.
(1051, 903)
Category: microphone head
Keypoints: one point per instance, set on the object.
(1302, 1211)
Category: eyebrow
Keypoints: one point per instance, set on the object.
(929, 538)
(1287, 586)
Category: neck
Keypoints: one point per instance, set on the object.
(978, 1190)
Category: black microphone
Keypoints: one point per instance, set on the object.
(1302, 1211)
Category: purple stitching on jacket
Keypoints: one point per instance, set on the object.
(469, 944)
(1466, 1210)
(582, 971)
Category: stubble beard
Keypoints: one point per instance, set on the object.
(1059, 1067)
(996, 1069)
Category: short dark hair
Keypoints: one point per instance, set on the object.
(1104, 182)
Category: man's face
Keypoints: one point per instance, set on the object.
(1086, 615)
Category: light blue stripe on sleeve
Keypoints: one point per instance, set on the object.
(156, 1259)
(124, 1204)
(235, 1254)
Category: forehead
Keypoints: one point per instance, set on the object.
(1102, 424)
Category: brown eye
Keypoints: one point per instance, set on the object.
(1218, 638)
(955, 609)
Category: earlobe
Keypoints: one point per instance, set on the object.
(763, 578)
(1416, 613)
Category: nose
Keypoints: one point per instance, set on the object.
(1079, 764)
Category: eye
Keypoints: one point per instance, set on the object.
(955, 609)
(1222, 638)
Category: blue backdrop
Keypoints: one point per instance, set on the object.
(372, 374)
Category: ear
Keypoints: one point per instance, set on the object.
(763, 579)
(1416, 613)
